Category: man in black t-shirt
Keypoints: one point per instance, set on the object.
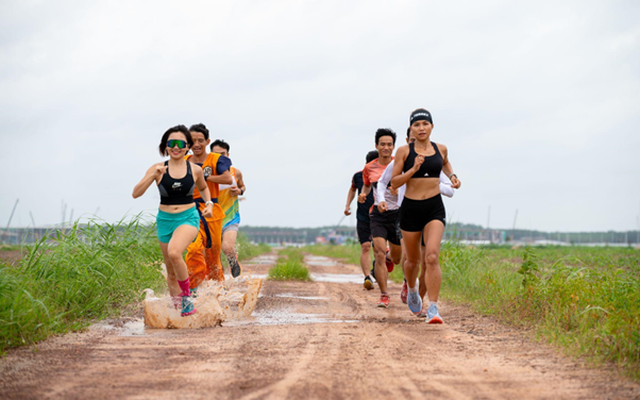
(362, 217)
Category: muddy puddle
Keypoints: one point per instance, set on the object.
(264, 259)
(319, 261)
(286, 317)
(337, 278)
(215, 302)
(295, 296)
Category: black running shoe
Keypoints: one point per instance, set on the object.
(236, 268)
(368, 284)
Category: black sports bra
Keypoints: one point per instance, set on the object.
(431, 166)
(176, 191)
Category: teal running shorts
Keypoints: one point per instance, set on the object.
(166, 222)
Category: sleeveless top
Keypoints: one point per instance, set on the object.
(431, 166)
(176, 191)
(230, 204)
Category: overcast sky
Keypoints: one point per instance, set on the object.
(537, 101)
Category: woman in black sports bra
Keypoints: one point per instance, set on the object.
(422, 214)
(178, 220)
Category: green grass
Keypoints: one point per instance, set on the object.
(9, 247)
(350, 254)
(89, 273)
(290, 266)
(246, 250)
(585, 300)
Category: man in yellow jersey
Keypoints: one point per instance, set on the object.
(228, 200)
(203, 255)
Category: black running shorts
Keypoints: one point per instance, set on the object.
(364, 231)
(416, 214)
(385, 225)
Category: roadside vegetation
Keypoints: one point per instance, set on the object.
(86, 274)
(350, 254)
(290, 266)
(586, 300)
(246, 250)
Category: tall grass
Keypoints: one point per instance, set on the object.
(290, 266)
(88, 273)
(585, 300)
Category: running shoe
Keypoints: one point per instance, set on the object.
(433, 316)
(187, 306)
(415, 302)
(403, 292)
(193, 292)
(422, 313)
(384, 301)
(373, 270)
(390, 264)
(368, 284)
(236, 268)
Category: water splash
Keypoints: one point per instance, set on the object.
(215, 302)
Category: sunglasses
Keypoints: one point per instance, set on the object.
(176, 142)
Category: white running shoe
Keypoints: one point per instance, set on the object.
(415, 302)
(433, 316)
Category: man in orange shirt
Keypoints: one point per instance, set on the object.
(383, 215)
(203, 255)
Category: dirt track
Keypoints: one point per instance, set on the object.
(320, 340)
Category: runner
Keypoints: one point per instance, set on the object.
(422, 215)
(177, 220)
(445, 189)
(363, 226)
(231, 207)
(383, 218)
(203, 255)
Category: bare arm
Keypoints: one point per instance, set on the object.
(240, 188)
(447, 168)
(153, 174)
(350, 196)
(240, 181)
(362, 197)
(224, 178)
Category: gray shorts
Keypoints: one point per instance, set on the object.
(230, 228)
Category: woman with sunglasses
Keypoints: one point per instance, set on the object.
(178, 220)
(422, 214)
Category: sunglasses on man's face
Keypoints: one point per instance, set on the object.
(176, 142)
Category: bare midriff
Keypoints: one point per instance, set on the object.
(421, 189)
(175, 208)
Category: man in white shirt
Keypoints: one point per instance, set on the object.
(445, 188)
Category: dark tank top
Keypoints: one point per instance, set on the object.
(176, 191)
(430, 168)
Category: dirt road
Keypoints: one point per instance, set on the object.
(316, 340)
